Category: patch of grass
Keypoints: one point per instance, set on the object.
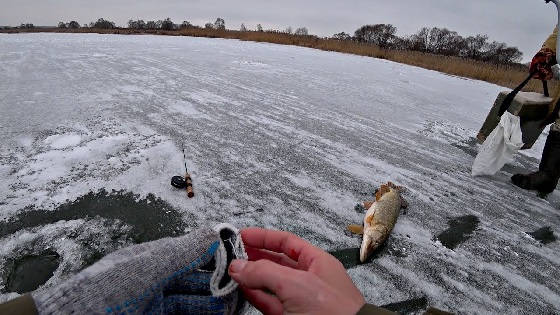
(505, 75)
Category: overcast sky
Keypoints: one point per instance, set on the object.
(521, 23)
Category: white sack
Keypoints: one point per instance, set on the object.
(499, 147)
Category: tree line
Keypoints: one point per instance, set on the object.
(435, 40)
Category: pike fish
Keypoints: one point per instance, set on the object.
(380, 219)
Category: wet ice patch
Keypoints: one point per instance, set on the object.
(78, 243)
(63, 141)
(408, 306)
(544, 235)
(79, 233)
(30, 272)
(150, 218)
(460, 229)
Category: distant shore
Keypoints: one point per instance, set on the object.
(504, 75)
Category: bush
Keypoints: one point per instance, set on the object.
(102, 24)
(137, 25)
(73, 25)
(341, 36)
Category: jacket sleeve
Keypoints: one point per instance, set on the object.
(23, 305)
(550, 43)
(369, 309)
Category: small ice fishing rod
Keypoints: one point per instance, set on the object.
(184, 182)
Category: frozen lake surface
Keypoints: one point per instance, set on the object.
(91, 130)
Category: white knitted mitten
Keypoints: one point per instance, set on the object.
(183, 275)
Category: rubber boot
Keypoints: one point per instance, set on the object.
(546, 179)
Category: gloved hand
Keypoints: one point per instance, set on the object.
(287, 275)
(542, 63)
(185, 275)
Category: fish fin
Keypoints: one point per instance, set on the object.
(368, 204)
(382, 191)
(378, 195)
(356, 229)
(369, 218)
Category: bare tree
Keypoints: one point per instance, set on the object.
(420, 41)
(381, 35)
(259, 28)
(167, 24)
(151, 25)
(497, 52)
(61, 25)
(186, 24)
(220, 24)
(288, 30)
(243, 28)
(209, 25)
(473, 47)
(302, 31)
(445, 42)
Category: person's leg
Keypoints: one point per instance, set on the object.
(546, 178)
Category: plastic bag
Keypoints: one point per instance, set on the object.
(499, 147)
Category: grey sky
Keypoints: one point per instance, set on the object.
(521, 23)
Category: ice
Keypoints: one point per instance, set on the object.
(63, 141)
(275, 136)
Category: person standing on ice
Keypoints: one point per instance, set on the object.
(546, 178)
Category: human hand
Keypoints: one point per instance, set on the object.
(287, 275)
(542, 63)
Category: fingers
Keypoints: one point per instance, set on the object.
(256, 254)
(280, 242)
(265, 275)
(264, 302)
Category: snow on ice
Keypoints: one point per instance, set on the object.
(275, 136)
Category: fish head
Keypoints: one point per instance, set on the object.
(370, 243)
(366, 248)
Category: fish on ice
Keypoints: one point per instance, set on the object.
(380, 218)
